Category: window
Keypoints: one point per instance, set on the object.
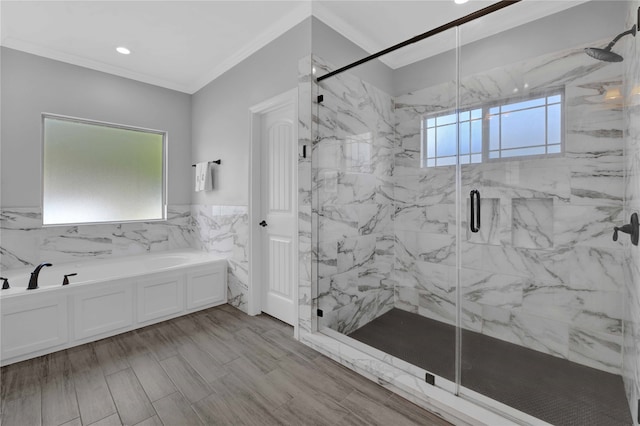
(98, 172)
(511, 129)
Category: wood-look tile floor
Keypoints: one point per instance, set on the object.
(217, 366)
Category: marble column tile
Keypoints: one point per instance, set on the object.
(19, 248)
(431, 305)
(471, 313)
(532, 225)
(68, 243)
(597, 350)
(595, 268)
(327, 259)
(492, 218)
(493, 289)
(407, 299)
(597, 183)
(336, 222)
(631, 117)
(305, 306)
(596, 310)
(531, 331)
(586, 225)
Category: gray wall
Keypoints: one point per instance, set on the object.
(220, 112)
(598, 20)
(337, 50)
(32, 85)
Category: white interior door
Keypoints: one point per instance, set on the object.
(278, 208)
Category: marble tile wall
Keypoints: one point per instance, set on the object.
(219, 229)
(307, 267)
(630, 50)
(224, 230)
(543, 272)
(24, 242)
(352, 166)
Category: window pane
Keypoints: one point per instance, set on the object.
(431, 122)
(494, 154)
(553, 149)
(446, 161)
(431, 143)
(494, 132)
(446, 140)
(554, 127)
(476, 136)
(464, 138)
(476, 158)
(554, 99)
(431, 163)
(476, 113)
(464, 116)
(523, 128)
(522, 105)
(97, 173)
(446, 119)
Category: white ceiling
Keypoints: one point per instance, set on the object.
(183, 45)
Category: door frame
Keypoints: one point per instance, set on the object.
(254, 302)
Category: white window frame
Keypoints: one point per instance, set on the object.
(486, 107)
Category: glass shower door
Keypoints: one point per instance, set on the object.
(383, 179)
(540, 145)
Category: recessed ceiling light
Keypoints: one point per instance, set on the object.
(460, 1)
(123, 50)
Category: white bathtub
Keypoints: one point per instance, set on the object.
(107, 297)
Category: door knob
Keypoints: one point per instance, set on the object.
(263, 224)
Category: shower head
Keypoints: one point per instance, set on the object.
(603, 54)
(606, 54)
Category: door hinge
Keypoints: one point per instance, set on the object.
(320, 98)
(319, 312)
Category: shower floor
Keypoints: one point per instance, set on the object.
(552, 389)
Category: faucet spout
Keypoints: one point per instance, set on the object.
(33, 281)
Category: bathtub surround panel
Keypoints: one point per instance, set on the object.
(630, 50)
(224, 231)
(351, 168)
(111, 296)
(26, 243)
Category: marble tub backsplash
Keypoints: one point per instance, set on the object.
(218, 229)
(24, 242)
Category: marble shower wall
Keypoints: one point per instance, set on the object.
(224, 230)
(630, 50)
(24, 242)
(352, 201)
(307, 267)
(543, 272)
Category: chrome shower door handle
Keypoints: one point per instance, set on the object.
(474, 223)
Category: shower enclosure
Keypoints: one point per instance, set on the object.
(463, 198)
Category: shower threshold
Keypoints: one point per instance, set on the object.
(552, 389)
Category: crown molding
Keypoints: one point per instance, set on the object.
(281, 26)
(347, 30)
(57, 55)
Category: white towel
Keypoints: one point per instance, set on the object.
(208, 177)
(200, 170)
